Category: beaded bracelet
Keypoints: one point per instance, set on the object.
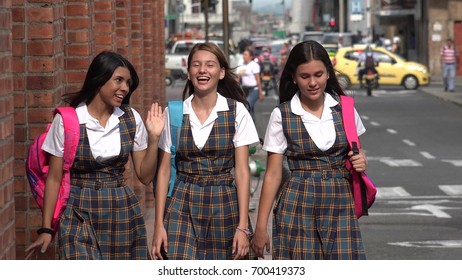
(46, 230)
(244, 230)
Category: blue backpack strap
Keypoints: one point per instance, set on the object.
(175, 113)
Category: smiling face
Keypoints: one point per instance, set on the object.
(205, 72)
(116, 88)
(311, 79)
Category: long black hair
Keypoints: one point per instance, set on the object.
(100, 71)
(228, 86)
(301, 53)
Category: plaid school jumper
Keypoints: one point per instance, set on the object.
(202, 215)
(103, 219)
(314, 216)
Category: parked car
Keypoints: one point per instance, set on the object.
(392, 68)
(177, 58)
(333, 38)
(311, 35)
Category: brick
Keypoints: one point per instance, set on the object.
(76, 9)
(41, 65)
(78, 36)
(78, 23)
(102, 17)
(40, 99)
(103, 5)
(77, 50)
(104, 28)
(18, 14)
(40, 14)
(40, 31)
(18, 31)
(18, 65)
(40, 48)
(39, 82)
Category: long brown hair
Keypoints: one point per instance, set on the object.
(301, 53)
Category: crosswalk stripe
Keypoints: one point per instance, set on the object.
(400, 162)
(453, 162)
(451, 189)
(391, 192)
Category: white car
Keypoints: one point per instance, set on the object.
(176, 59)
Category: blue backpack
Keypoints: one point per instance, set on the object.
(175, 112)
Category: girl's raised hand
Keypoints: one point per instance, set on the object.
(155, 120)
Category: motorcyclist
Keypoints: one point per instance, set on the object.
(268, 65)
(367, 62)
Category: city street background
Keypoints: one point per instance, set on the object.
(413, 142)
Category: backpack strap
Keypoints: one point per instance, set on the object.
(71, 134)
(349, 124)
(175, 113)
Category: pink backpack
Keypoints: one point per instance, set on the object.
(37, 162)
(364, 190)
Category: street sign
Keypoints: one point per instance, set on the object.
(356, 7)
(170, 17)
(180, 8)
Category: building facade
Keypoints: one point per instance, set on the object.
(45, 50)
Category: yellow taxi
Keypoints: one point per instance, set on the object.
(331, 50)
(392, 68)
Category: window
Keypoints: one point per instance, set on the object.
(196, 7)
(381, 57)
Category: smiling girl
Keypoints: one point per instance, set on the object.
(207, 215)
(314, 215)
(103, 219)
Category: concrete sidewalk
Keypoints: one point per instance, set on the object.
(436, 88)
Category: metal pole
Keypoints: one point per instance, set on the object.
(225, 29)
(340, 16)
(206, 16)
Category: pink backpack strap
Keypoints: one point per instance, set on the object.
(71, 134)
(349, 122)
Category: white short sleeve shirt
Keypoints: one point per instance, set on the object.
(104, 141)
(247, 73)
(246, 132)
(322, 131)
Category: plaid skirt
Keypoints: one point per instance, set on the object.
(102, 223)
(314, 219)
(201, 219)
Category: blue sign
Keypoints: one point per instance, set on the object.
(356, 7)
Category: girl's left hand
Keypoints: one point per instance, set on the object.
(155, 120)
(240, 244)
(359, 161)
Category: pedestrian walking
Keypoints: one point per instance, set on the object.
(206, 216)
(314, 215)
(102, 219)
(249, 76)
(450, 61)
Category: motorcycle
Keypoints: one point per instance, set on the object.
(266, 76)
(266, 80)
(372, 81)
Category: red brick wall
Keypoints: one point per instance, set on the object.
(45, 49)
(7, 203)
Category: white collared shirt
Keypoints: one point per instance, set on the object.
(246, 132)
(322, 131)
(104, 141)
